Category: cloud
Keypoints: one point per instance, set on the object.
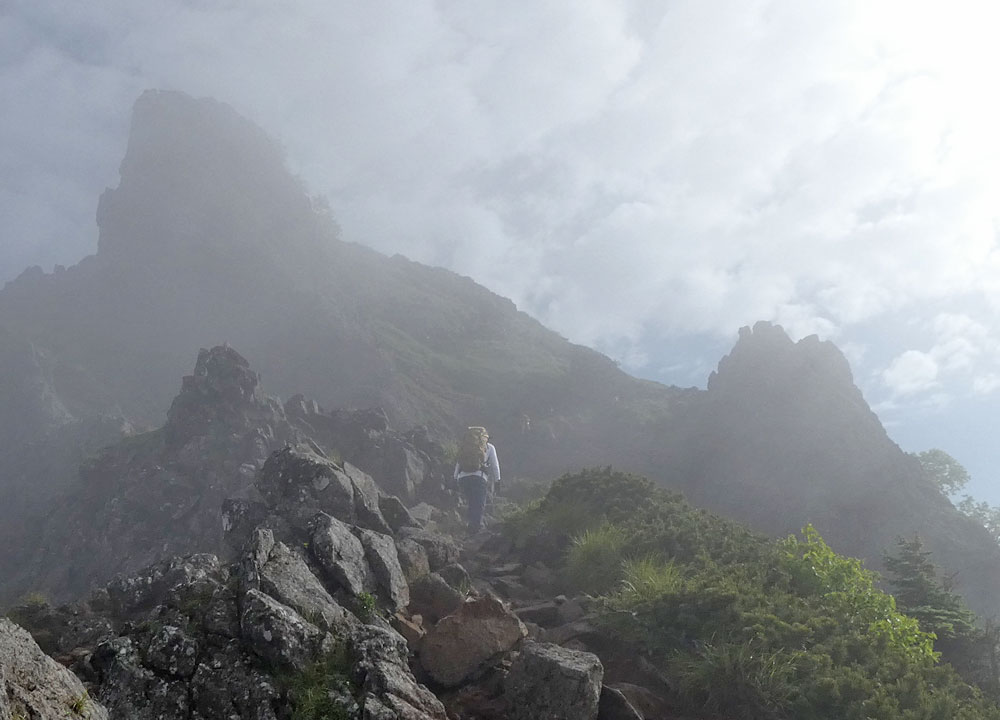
(912, 372)
(986, 384)
(622, 170)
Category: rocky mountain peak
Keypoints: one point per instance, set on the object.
(767, 355)
(199, 183)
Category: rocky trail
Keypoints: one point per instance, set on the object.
(326, 596)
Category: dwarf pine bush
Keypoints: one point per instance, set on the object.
(741, 625)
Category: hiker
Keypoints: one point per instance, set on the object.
(477, 473)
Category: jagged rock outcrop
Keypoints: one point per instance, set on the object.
(783, 437)
(196, 638)
(159, 493)
(227, 461)
(33, 685)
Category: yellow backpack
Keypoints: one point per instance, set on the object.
(472, 450)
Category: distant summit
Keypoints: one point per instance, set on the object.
(202, 184)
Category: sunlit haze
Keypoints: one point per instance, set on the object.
(643, 177)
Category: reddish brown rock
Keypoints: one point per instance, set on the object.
(468, 639)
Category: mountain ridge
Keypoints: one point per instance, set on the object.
(208, 239)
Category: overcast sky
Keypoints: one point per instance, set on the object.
(644, 177)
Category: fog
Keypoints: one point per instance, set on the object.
(643, 179)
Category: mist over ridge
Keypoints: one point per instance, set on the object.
(209, 239)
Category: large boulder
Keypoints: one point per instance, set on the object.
(340, 554)
(433, 598)
(297, 483)
(553, 682)
(286, 577)
(33, 685)
(278, 634)
(225, 684)
(441, 549)
(412, 559)
(390, 691)
(465, 641)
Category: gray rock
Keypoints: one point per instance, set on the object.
(570, 609)
(130, 690)
(380, 552)
(302, 482)
(395, 513)
(432, 598)
(441, 549)
(286, 577)
(424, 512)
(544, 614)
(539, 577)
(227, 684)
(33, 685)
(366, 500)
(341, 555)
(510, 588)
(463, 642)
(456, 576)
(297, 482)
(412, 559)
(172, 651)
(399, 467)
(582, 630)
(552, 682)
(278, 634)
(174, 580)
(388, 683)
(239, 518)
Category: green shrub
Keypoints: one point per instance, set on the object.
(737, 680)
(648, 578)
(594, 560)
(578, 501)
(324, 690)
(740, 625)
(365, 606)
(80, 705)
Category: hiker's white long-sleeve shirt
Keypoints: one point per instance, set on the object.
(492, 466)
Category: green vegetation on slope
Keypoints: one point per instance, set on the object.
(741, 625)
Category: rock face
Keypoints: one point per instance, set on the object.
(548, 681)
(196, 638)
(34, 685)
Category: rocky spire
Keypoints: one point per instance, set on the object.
(200, 185)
